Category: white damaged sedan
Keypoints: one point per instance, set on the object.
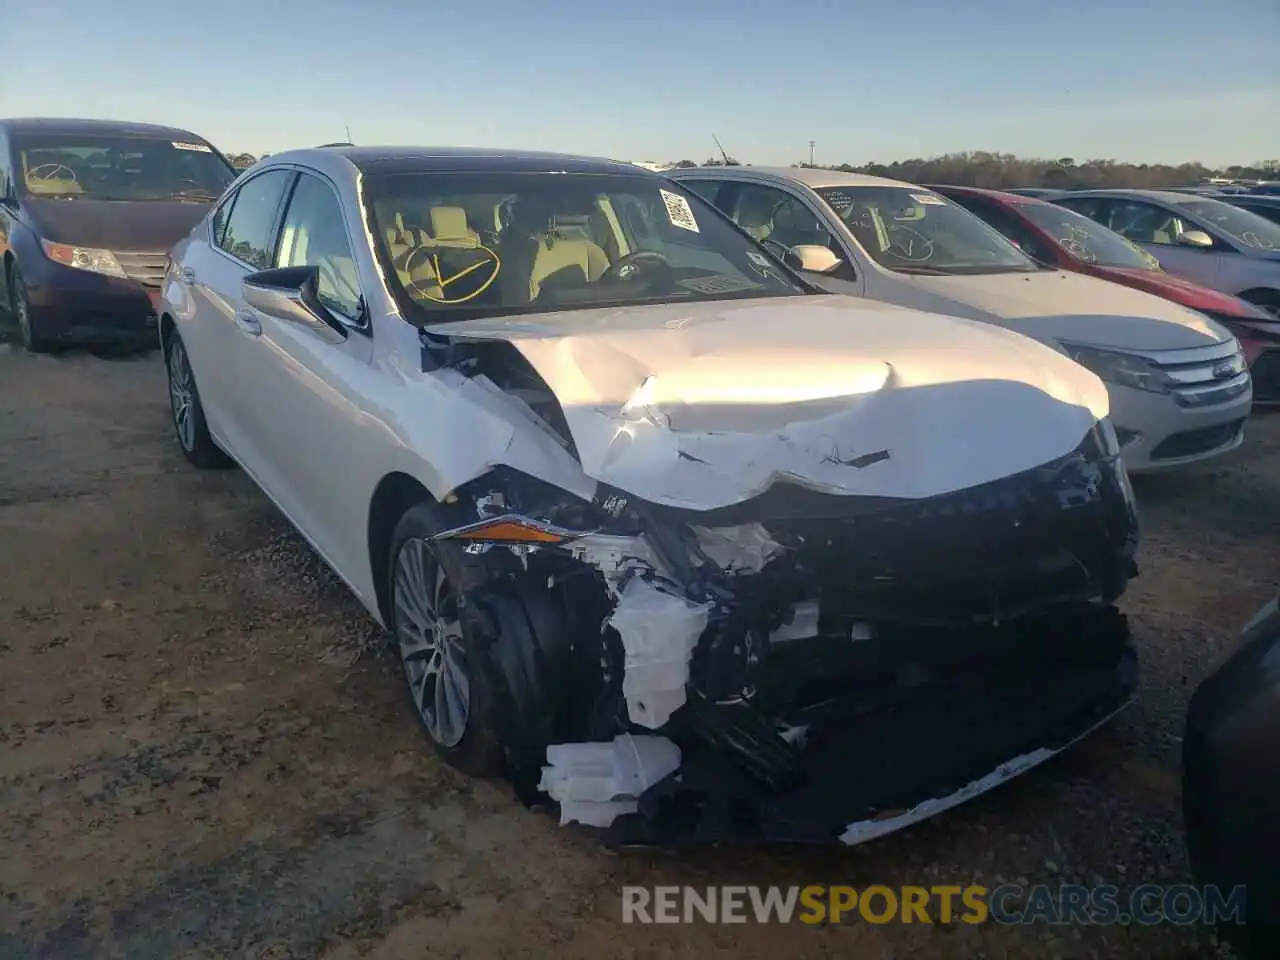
(665, 535)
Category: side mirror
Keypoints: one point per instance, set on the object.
(289, 293)
(812, 258)
(1195, 238)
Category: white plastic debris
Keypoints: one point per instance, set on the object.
(659, 631)
(596, 782)
(747, 547)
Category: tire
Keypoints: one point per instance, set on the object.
(441, 650)
(1268, 300)
(186, 413)
(20, 310)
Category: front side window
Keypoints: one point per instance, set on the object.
(456, 245)
(120, 168)
(1243, 226)
(1085, 239)
(249, 233)
(1142, 222)
(913, 230)
(314, 233)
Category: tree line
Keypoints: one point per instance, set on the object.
(995, 170)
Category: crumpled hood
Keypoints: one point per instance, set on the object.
(152, 226)
(1056, 305)
(708, 404)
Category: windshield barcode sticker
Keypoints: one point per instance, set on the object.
(718, 283)
(929, 199)
(196, 147)
(678, 211)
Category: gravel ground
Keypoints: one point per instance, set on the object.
(203, 754)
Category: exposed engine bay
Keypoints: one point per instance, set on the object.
(800, 666)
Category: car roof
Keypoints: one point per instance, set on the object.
(809, 176)
(1001, 195)
(1266, 199)
(72, 125)
(1167, 196)
(391, 159)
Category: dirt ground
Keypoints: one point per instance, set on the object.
(203, 753)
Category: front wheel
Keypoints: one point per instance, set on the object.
(452, 694)
(20, 310)
(188, 415)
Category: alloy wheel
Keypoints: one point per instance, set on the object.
(182, 395)
(429, 632)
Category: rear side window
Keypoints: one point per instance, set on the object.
(249, 234)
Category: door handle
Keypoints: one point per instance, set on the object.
(187, 275)
(247, 321)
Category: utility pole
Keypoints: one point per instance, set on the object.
(811, 142)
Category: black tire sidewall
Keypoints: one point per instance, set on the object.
(18, 289)
(479, 752)
(204, 453)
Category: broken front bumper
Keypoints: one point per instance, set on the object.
(860, 664)
(907, 744)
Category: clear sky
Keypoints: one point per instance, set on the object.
(1139, 80)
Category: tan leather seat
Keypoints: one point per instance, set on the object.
(449, 228)
(567, 254)
(755, 213)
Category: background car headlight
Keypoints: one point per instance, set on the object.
(84, 258)
(1122, 369)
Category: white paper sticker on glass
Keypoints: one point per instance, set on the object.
(678, 211)
(194, 147)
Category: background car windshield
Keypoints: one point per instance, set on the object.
(119, 168)
(1086, 239)
(1243, 226)
(487, 244)
(915, 231)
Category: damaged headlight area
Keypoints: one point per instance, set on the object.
(802, 666)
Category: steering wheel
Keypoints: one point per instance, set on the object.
(49, 171)
(908, 244)
(625, 268)
(435, 287)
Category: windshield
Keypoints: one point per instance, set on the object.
(486, 244)
(1086, 239)
(915, 231)
(112, 167)
(1246, 228)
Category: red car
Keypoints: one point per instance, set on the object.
(1067, 240)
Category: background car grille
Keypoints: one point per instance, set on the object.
(1193, 373)
(1191, 442)
(146, 268)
